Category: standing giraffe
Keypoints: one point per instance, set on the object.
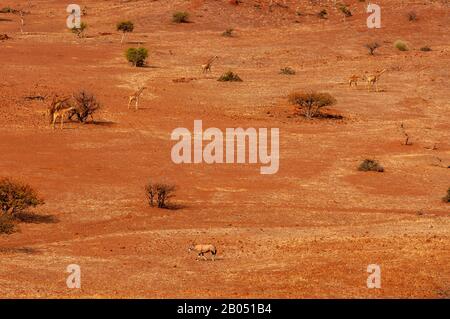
(59, 108)
(353, 80)
(207, 66)
(135, 97)
(372, 80)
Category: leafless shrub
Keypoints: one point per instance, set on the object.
(159, 193)
(15, 197)
(7, 225)
(372, 47)
(446, 198)
(369, 165)
(412, 16)
(86, 105)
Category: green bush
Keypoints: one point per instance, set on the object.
(125, 27)
(311, 103)
(369, 165)
(401, 45)
(446, 198)
(16, 197)
(137, 56)
(180, 17)
(229, 76)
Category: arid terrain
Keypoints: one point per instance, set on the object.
(308, 231)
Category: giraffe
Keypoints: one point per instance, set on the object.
(353, 80)
(59, 108)
(207, 66)
(372, 80)
(135, 97)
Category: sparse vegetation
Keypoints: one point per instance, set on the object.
(446, 198)
(86, 105)
(80, 30)
(16, 197)
(180, 17)
(412, 16)
(401, 45)
(372, 47)
(125, 27)
(311, 103)
(345, 10)
(7, 225)
(369, 165)
(8, 10)
(228, 32)
(137, 56)
(323, 14)
(229, 76)
(426, 49)
(4, 36)
(159, 193)
(287, 71)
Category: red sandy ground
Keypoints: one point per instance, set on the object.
(308, 231)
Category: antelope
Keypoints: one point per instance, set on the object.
(207, 66)
(135, 97)
(59, 108)
(353, 80)
(372, 80)
(203, 249)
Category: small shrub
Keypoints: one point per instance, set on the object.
(426, 49)
(159, 193)
(229, 76)
(311, 103)
(323, 14)
(7, 10)
(287, 71)
(412, 16)
(228, 32)
(80, 31)
(401, 45)
(137, 56)
(4, 36)
(125, 27)
(372, 47)
(16, 197)
(86, 106)
(7, 225)
(446, 198)
(345, 10)
(369, 165)
(180, 17)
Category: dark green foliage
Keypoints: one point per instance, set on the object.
(137, 56)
